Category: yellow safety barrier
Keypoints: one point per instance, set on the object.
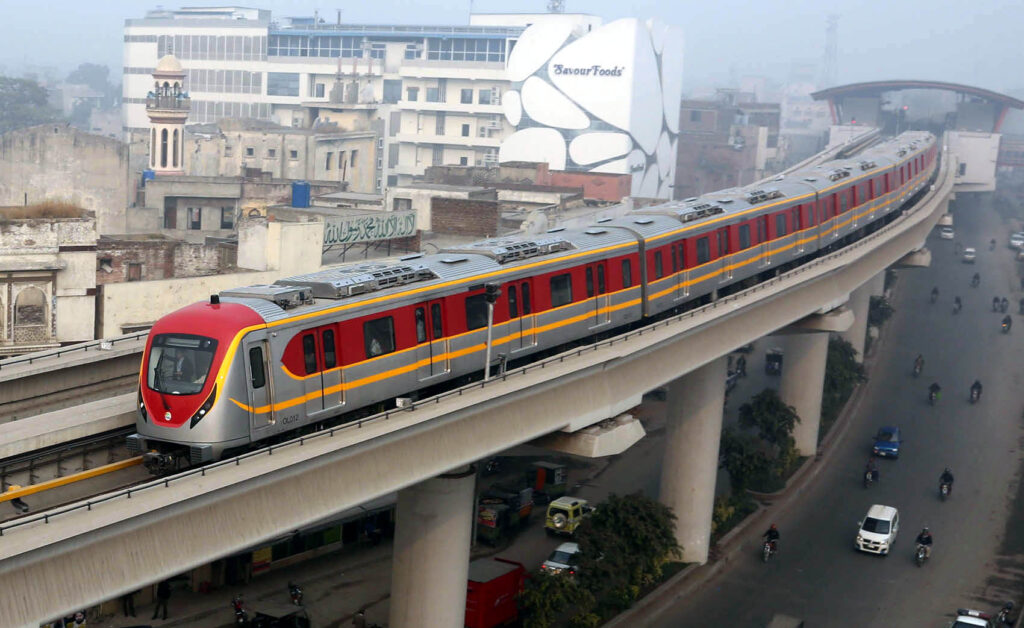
(15, 493)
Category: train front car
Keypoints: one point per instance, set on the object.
(189, 373)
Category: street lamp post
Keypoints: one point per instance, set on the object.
(491, 294)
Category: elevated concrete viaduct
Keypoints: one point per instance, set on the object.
(73, 558)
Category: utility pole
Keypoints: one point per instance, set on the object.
(491, 294)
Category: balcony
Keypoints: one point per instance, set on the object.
(450, 140)
(168, 102)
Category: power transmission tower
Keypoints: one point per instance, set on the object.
(830, 69)
(556, 6)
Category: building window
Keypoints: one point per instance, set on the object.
(227, 217)
(450, 49)
(412, 94)
(134, 271)
(466, 97)
(195, 217)
(250, 151)
(352, 158)
(463, 161)
(485, 97)
(282, 84)
(320, 90)
(695, 116)
(271, 153)
(330, 159)
(293, 154)
(465, 130)
(227, 150)
(433, 94)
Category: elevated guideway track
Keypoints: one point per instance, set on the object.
(99, 548)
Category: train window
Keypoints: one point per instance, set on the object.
(421, 325)
(513, 303)
(526, 297)
(309, 353)
(842, 203)
(795, 218)
(600, 279)
(703, 250)
(675, 259)
(476, 311)
(682, 255)
(259, 376)
(780, 225)
(627, 273)
(330, 355)
(379, 336)
(561, 290)
(589, 274)
(658, 270)
(744, 232)
(435, 321)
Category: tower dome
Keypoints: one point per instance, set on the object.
(167, 107)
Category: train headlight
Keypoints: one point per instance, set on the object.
(204, 409)
(142, 406)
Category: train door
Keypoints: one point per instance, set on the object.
(260, 385)
(597, 289)
(333, 381)
(723, 254)
(313, 382)
(683, 276)
(521, 321)
(765, 243)
(432, 350)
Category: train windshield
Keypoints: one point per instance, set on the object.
(179, 363)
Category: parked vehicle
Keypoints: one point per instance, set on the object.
(492, 592)
(563, 560)
(502, 511)
(565, 514)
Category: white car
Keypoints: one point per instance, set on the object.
(946, 233)
(970, 254)
(562, 560)
(878, 530)
(966, 618)
(1017, 240)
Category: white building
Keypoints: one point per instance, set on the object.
(603, 99)
(433, 94)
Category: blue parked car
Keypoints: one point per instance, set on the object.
(887, 442)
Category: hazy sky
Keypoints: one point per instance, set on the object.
(976, 42)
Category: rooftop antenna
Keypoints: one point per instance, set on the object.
(556, 6)
(830, 67)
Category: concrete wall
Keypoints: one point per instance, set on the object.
(465, 217)
(285, 249)
(977, 154)
(161, 259)
(59, 162)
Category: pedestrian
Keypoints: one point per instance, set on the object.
(163, 594)
(128, 603)
(741, 366)
(359, 619)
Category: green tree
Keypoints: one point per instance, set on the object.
(744, 458)
(879, 311)
(23, 103)
(771, 417)
(842, 374)
(547, 597)
(92, 74)
(623, 546)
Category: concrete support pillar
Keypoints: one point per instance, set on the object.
(803, 378)
(860, 301)
(694, 406)
(434, 522)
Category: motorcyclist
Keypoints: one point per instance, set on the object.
(992, 244)
(976, 279)
(934, 390)
(1004, 305)
(935, 294)
(976, 389)
(925, 539)
(947, 478)
(995, 304)
(872, 468)
(741, 366)
(1007, 322)
(957, 305)
(919, 363)
(771, 535)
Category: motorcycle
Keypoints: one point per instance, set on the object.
(492, 466)
(920, 554)
(917, 368)
(933, 396)
(944, 489)
(767, 550)
(975, 280)
(1006, 327)
(995, 304)
(1004, 305)
(975, 395)
(1003, 616)
(295, 592)
(241, 617)
(869, 477)
(935, 296)
(957, 306)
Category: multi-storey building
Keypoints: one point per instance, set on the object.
(433, 94)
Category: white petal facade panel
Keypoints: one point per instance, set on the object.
(513, 107)
(657, 28)
(618, 166)
(591, 148)
(534, 144)
(535, 47)
(664, 155)
(665, 191)
(645, 110)
(672, 77)
(596, 71)
(649, 187)
(547, 106)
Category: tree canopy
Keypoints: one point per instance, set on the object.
(92, 74)
(23, 103)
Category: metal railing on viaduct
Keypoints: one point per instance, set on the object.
(65, 559)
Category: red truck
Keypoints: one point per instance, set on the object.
(492, 594)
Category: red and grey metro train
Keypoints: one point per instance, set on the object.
(260, 362)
